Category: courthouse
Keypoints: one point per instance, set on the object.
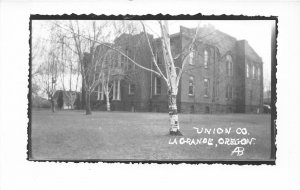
(223, 75)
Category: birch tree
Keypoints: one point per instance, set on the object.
(173, 73)
(106, 80)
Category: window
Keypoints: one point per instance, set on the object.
(229, 68)
(253, 72)
(158, 61)
(247, 70)
(131, 88)
(205, 59)
(191, 86)
(114, 60)
(191, 56)
(122, 61)
(100, 92)
(116, 90)
(117, 60)
(206, 87)
(217, 89)
(130, 57)
(258, 73)
(157, 86)
(129, 65)
(229, 92)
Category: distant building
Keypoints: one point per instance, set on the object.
(223, 74)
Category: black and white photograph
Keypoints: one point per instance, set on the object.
(152, 90)
(149, 95)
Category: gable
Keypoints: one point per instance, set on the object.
(211, 36)
(251, 54)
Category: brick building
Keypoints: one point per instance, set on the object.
(223, 74)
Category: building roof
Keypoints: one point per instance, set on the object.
(224, 42)
(251, 54)
(210, 35)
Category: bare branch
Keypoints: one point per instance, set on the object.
(152, 54)
(111, 47)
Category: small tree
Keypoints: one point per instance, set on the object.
(48, 78)
(45, 66)
(106, 78)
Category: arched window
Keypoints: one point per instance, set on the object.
(229, 67)
(158, 61)
(116, 90)
(206, 87)
(229, 92)
(191, 86)
(123, 61)
(100, 92)
(258, 73)
(253, 72)
(247, 70)
(205, 59)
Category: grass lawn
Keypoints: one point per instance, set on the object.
(143, 136)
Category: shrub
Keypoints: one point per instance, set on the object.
(60, 100)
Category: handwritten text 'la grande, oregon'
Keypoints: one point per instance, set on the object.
(239, 143)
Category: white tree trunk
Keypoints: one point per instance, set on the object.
(173, 114)
(107, 101)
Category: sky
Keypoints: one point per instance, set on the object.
(256, 32)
